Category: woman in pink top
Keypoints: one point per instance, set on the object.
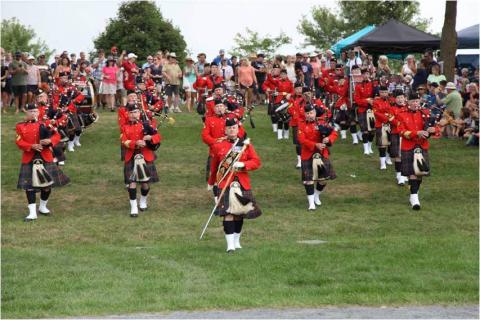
(247, 80)
(109, 82)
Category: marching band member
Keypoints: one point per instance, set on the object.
(140, 141)
(363, 97)
(345, 116)
(38, 172)
(218, 93)
(382, 111)
(268, 86)
(394, 148)
(415, 129)
(297, 114)
(236, 200)
(315, 137)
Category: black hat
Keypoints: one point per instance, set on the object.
(299, 54)
(18, 54)
(276, 66)
(39, 92)
(213, 64)
(219, 101)
(132, 107)
(306, 89)
(31, 106)
(260, 55)
(283, 71)
(64, 100)
(308, 107)
(364, 70)
(338, 66)
(217, 86)
(230, 122)
(413, 96)
(140, 80)
(298, 84)
(433, 84)
(206, 64)
(383, 88)
(398, 92)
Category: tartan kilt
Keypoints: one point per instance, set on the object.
(295, 135)
(407, 161)
(352, 115)
(307, 169)
(342, 116)
(362, 121)
(222, 207)
(394, 147)
(378, 138)
(128, 171)
(58, 151)
(25, 176)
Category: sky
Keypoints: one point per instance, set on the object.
(207, 25)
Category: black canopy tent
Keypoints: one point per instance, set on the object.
(468, 38)
(396, 37)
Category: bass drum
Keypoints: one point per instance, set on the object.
(87, 114)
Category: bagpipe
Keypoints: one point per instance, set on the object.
(320, 169)
(86, 110)
(148, 129)
(281, 109)
(201, 103)
(155, 104)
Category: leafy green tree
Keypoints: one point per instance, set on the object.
(140, 28)
(327, 27)
(251, 42)
(17, 37)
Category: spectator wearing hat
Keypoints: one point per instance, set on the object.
(218, 59)
(172, 74)
(130, 70)
(453, 100)
(18, 70)
(33, 79)
(109, 82)
(189, 78)
(261, 75)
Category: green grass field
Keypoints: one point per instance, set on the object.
(91, 258)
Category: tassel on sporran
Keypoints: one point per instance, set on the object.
(370, 120)
(237, 203)
(40, 177)
(320, 172)
(386, 141)
(420, 165)
(140, 170)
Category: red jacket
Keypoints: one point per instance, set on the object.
(201, 83)
(28, 133)
(308, 136)
(131, 133)
(410, 123)
(395, 122)
(343, 96)
(297, 110)
(382, 111)
(122, 117)
(129, 74)
(249, 157)
(214, 128)
(363, 91)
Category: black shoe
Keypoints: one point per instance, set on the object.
(143, 209)
(28, 220)
(133, 215)
(416, 207)
(44, 213)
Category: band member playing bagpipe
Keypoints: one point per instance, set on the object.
(66, 97)
(269, 86)
(140, 140)
(232, 158)
(215, 77)
(38, 172)
(203, 86)
(415, 129)
(54, 119)
(363, 97)
(315, 136)
(394, 148)
(123, 119)
(214, 131)
(345, 113)
(284, 90)
(218, 93)
(297, 114)
(382, 111)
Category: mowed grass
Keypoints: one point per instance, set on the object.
(91, 258)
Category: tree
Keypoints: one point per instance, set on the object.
(17, 37)
(140, 28)
(448, 43)
(251, 42)
(330, 26)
